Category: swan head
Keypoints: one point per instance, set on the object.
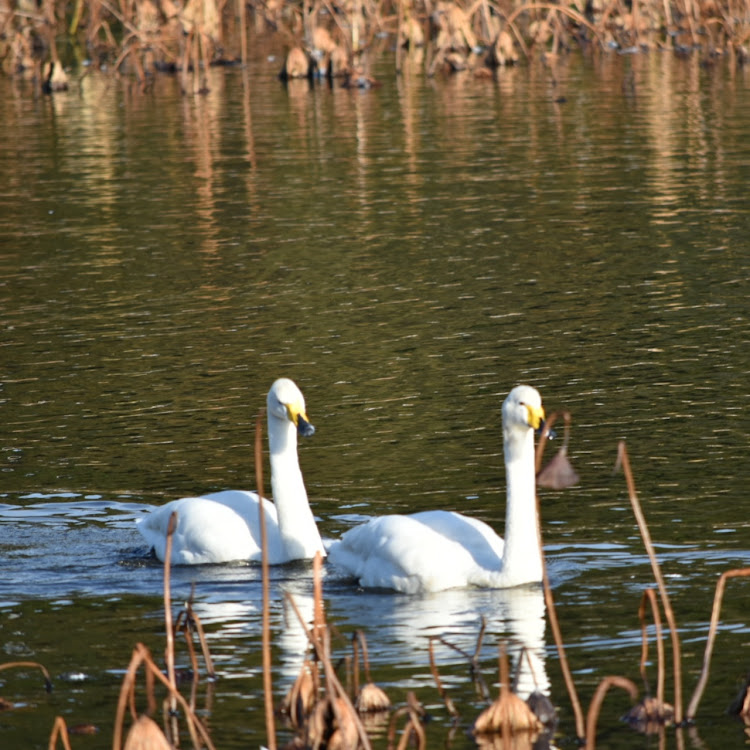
(285, 402)
(523, 409)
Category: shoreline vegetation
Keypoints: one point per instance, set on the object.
(336, 40)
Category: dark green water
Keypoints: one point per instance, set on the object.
(407, 255)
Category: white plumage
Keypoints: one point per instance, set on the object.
(437, 550)
(225, 526)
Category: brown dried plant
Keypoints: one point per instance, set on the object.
(369, 698)
(549, 601)
(713, 629)
(596, 703)
(266, 586)
(30, 665)
(141, 657)
(145, 37)
(558, 473)
(508, 715)
(333, 721)
(59, 730)
(652, 712)
(413, 734)
(624, 462)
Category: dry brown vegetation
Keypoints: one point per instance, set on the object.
(334, 37)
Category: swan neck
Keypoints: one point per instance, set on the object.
(297, 528)
(522, 556)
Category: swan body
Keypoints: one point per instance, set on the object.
(436, 550)
(225, 526)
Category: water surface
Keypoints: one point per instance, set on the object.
(407, 255)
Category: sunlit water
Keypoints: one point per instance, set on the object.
(407, 255)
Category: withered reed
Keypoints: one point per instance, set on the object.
(550, 602)
(713, 628)
(59, 729)
(169, 651)
(623, 460)
(32, 665)
(449, 705)
(598, 699)
(650, 597)
(266, 616)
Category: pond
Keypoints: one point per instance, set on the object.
(407, 254)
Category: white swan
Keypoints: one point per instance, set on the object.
(225, 526)
(436, 550)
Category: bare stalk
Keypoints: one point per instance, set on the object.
(196, 623)
(59, 729)
(33, 664)
(267, 683)
(140, 656)
(436, 676)
(596, 704)
(650, 596)
(555, 627)
(542, 442)
(169, 654)
(321, 646)
(701, 686)
(622, 457)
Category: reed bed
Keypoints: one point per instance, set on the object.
(339, 39)
(325, 711)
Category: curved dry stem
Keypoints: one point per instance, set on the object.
(623, 460)
(650, 596)
(557, 634)
(542, 441)
(168, 625)
(712, 630)
(451, 708)
(319, 615)
(336, 690)
(525, 654)
(33, 665)
(355, 666)
(126, 692)
(480, 638)
(360, 636)
(598, 699)
(140, 656)
(195, 622)
(413, 726)
(320, 643)
(59, 729)
(266, 615)
(473, 659)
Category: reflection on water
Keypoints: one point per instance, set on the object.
(407, 255)
(405, 624)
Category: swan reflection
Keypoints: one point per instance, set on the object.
(398, 627)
